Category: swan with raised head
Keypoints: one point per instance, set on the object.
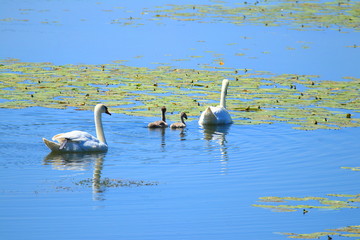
(161, 123)
(181, 124)
(79, 141)
(217, 115)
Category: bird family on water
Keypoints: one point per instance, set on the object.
(79, 141)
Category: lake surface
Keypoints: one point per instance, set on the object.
(236, 182)
(201, 183)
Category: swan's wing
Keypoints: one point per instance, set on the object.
(75, 136)
(63, 144)
(222, 115)
(78, 141)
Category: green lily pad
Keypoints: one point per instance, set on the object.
(317, 203)
(254, 97)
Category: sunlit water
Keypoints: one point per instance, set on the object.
(202, 182)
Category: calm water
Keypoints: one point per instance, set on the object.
(202, 183)
(206, 180)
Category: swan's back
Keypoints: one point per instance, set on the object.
(158, 124)
(178, 125)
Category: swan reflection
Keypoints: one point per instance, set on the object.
(71, 161)
(182, 133)
(217, 133)
(160, 131)
(80, 162)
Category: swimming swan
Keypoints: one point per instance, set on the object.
(217, 115)
(181, 124)
(79, 141)
(159, 124)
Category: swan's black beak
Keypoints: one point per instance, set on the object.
(107, 111)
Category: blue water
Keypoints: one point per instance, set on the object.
(205, 182)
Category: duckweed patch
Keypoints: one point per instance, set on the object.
(254, 97)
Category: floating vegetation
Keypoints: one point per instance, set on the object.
(301, 15)
(114, 183)
(278, 203)
(289, 204)
(254, 97)
(349, 231)
(352, 168)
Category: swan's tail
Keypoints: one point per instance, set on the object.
(207, 117)
(55, 147)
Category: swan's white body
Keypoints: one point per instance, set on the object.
(79, 141)
(217, 115)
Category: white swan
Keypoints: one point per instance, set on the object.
(217, 115)
(79, 141)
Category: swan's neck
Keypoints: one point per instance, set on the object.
(224, 88)
(182, 119)
(99, 127)
(163, 116)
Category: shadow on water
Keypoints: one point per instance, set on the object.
(80, 162)
(217, 133)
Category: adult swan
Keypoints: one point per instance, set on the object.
(79, 141)
(217, 115)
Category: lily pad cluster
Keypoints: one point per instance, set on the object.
(300, 15)
(254, 97)
(289, 204)
(332, 202)
(352, 168)
(349, 231)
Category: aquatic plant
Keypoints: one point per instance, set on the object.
(254, 97)
(299, 15)
(349, 231)
(352, 168)
(114, 183)
(317, 203)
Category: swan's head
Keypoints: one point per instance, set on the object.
(183, 115)
(102, 109)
